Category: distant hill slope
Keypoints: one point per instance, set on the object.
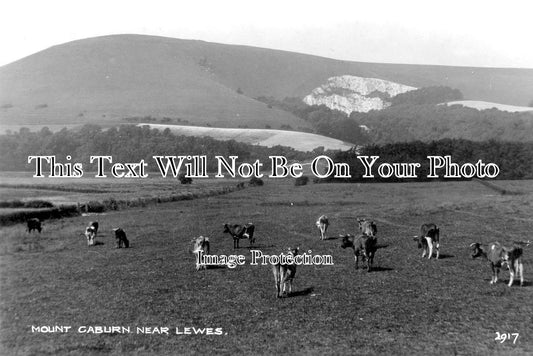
(300, 141)
(104, 79)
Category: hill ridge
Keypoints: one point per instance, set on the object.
(104, 79)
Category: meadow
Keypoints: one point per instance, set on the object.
(405, 305)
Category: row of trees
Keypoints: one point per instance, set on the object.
(126, 143)
(404, 123)
(513, 158)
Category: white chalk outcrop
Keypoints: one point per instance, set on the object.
(349, 93)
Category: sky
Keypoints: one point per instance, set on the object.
(453, 32)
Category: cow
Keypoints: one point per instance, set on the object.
(200, 248)
(363, 245)
(322, 224)
(120, 238)
(90, 234)
(428, 239)
(284, 274)
(498, 255)
(94, 224)
(240, 232)
(34, 224)
(367, 227)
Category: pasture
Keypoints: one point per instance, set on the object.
(406, 305)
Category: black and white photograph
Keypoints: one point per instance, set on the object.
(262, 178)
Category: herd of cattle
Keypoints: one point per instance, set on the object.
(90, 232)
(364, 246)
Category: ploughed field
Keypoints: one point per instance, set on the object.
(406, 305)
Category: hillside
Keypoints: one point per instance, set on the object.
(300, 141)
(105, 79)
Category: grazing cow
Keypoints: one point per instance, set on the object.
(322, 223)
(34, 224)
(90, 234)
(428, 239)
(121, 239)
(200, 247)
(240, 232)
(94, 224)
(284, 275)
(498, 255)
(367, 227)
(363, 245)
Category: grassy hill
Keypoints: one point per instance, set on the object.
(104, 79)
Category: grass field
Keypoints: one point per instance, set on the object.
(406, 305)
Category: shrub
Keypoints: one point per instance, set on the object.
(301, 181)
(94, 207)
(184, 180)
(38, 204)
(254, 181)
(110, 204)
(32, 204)
(12, 204)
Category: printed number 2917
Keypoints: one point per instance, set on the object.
(503, 337)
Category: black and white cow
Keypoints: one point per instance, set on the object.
(90, 234)
(428, 239)
(240, 232)
(94, 225)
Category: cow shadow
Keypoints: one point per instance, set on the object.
(444, 256)
(98, 243)
(516, 282)
(257, 246)
(216, 267)
(331, 238)
(381, 246)
(302, 292)
(381, 269)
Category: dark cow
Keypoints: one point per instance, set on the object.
(120, 238)
(498, 255)
(322, 224)
(363, 245)
(367, 227)
(34, 224)
(284, 275)
(240, 232)
(428, 239)
(200, 247)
